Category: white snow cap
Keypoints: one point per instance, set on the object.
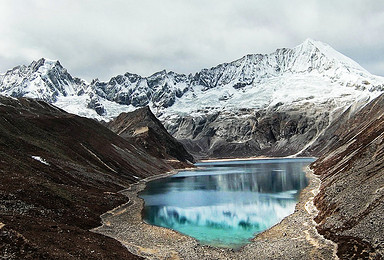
(331, 53)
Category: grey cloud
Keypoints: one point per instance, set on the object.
(105, 38)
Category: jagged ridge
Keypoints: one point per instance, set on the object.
(49, 81)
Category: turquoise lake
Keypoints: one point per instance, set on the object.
(225, 204)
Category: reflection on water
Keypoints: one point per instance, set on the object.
(226, 203)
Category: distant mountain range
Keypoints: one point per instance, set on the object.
(231, 84)
(219, 108)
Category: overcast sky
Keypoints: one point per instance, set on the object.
(104, 38)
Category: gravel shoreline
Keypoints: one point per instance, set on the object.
(295, 237)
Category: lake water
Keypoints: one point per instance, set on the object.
(225, 204)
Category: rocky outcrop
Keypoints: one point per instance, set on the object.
(142, 127)
(251, 132)
(351, 198)
(95, 104)
(58, 173)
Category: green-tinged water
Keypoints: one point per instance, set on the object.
(226, 203)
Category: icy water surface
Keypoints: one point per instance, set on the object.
(226, 203)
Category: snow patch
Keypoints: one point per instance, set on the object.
(38, 158)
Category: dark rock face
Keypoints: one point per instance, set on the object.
(97, 106)
(147, 132)
(351, 198)
(337, 127)
(160, 89)
(58, 173)
(249, 132)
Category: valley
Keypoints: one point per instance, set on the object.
(72, 150)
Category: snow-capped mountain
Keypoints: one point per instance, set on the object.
(160, 90)
(257, 78)
(312, 78)
(252, 81)
(309, 57)
(43, 79)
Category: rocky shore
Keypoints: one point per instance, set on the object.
(295, 237)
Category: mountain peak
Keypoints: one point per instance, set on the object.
(48, 62)
(134, 124)
(159, 74)
(318, 47)
(44, 64)
(311, 41)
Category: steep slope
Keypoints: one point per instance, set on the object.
(59, 173)
(273, 131)
(351, 198)
(146, 131)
